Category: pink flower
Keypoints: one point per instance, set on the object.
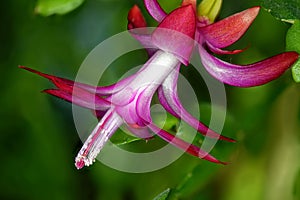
(128, 101)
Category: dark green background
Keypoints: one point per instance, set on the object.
(39, 141)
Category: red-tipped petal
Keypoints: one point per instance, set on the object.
(66, 83)
(175, 34)
(255, 74)
(187, 2)
(189, 148)
(227, 31)
(155, 10)
(135, 18)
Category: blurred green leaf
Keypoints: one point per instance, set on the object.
(293, 44)
(297, 186)
(121, 138)
(296, 71)
(285, 10)
(50, 7)
(196, 180)
(293, 37)
(164, 195)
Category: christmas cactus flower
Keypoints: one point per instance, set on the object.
(128, 101)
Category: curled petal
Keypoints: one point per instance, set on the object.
(143, 105)
(248, 75)
(155, 10)
(171, 102)
(189, 148)
(227, 31)
(164, 102)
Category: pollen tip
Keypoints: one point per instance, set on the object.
(79, 163)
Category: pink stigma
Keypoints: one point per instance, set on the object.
(79, 164)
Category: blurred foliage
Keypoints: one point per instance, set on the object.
(164, 195)
(285, 10)
(293, 44)
(39, 141)
(50, 7)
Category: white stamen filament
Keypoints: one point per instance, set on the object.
(97, 139)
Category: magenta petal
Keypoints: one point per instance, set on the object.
(143, 104)
(83, 100)
(164, 102)
(145, 39)
(99, 90)
(155, 10)
(227, 31)
(171, 102)
(248, 75)
(189, 148)
(175, 34)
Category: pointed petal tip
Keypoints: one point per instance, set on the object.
(255, 9)
(175, 34)
(27, 68)
(224, 163)
(225, 32)
(37, 72)
(182, 19)
(135, 18)
(210, 158)
(48, 91)
(293, 55)
(189, 2)
(228, 139)
(250, 13)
